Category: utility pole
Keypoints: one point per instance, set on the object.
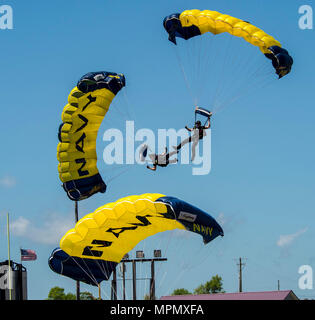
(240, 284)
(152, 281)
(134, 280)
(278, 285)
(124, 280)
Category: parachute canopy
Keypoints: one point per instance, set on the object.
(86, 270)
(87, 105)
(191, 23)
(115, 228)
(203, 112)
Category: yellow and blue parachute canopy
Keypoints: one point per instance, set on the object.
(87, 106)
(191, 23)
(116, 228)
(86, 270)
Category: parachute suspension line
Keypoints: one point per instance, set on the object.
(184, 74)
(87, 268)
(104, 271)
(114, 172)
(200, 77)
(240, 63)
(223, 70)
(115, 108)
(161, 272)
(226, 85)
(183, 267)
(130, 109)
(202, 260)
(119, 112)
(194, 52)
(123, 111)
(236, 64)
(247, 92)
(196, 75)
(118, 174)
(257, 80)
(90, 273)
(198, 70)
(166, 246)
(207, 60)
(141, 270)
(117, 167)
(245, 84)
(174, 281)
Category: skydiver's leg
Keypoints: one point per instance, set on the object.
(182, 143)
(193, 151)
(173, 161)
(153, 168)
(172, 153)
(193, 146)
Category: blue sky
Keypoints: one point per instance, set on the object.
(261, 185)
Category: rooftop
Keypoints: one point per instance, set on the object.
(264, 295)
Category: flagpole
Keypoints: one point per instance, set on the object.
(76, 212)
(9, 258)
(99, 292)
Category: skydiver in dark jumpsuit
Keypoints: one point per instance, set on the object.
(162, 160)
(199, 131)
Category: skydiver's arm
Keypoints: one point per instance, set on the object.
(164, 153)
(209, 121)
(208, 125)
(188, 129)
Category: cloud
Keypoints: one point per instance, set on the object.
(7, 182)
(49, 233)
(20, 226)
(286, 240)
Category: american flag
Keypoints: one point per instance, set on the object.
(28, 255)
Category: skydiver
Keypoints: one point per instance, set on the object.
(199, 131)
(162, 160)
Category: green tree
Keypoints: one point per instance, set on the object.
(57, 293)
(213, 286)
(86, 296)
(180, 292)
